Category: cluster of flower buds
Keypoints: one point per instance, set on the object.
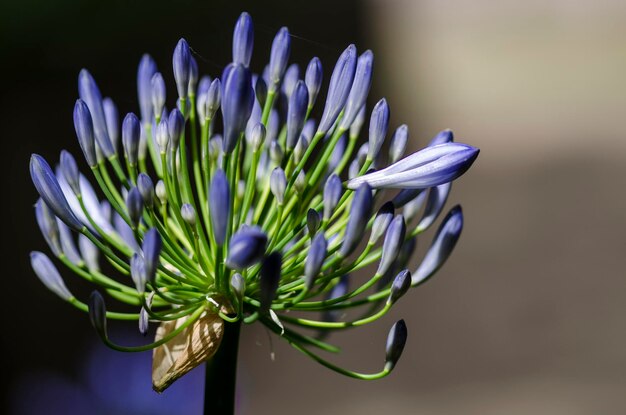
(236, 202)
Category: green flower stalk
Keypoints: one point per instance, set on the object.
(227, 209)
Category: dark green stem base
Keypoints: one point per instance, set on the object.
(221, 374)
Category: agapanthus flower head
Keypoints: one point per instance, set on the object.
(210, 224)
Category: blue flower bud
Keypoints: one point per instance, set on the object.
(396, 339)
(146, 189)
(270, 277)
(213, 98)
(315, 259)
(145, 72)
(131, 135)
(151, 248)
(337, 154)
(67, 244)
(48, 188)
(70, 171)
(143, 321)
(442, 137)
(339, 290)
(162, 135)
(428, 167)
(246, 247)
(243, 40)
(383, 218)
(176, 126)
(437, 197)
(398, 143)
(49, 228)
(405, 196)
(138, 273)
(399, 287)
(257, 136)
(291, 77)
(238, 286)
(339, 88)
(219, 205)
(394, 237)
(357, 124)
(112, 119)
(379, 123)
(125, 232)
(193, 75)
(443, 243)
(134, 206)
(158, 94)
(188, 214)
(414, 206)
(360, 212)
(181, 64)
(260, 90)
(313, 221)
(354, 169)
(49, 275)
(203, 86)
(296, 113)
(98, 314)
(276, 152)
(300, 149)
(333, 190)
(83, 125)
(237, 102)
(278, 184)
(313, 79)
(90, 94)
(279, 57)
(89, 252)
(359, 90)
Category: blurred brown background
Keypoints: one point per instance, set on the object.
(528, 316)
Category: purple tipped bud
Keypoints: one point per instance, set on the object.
(162, 134)
(193, 75)
(134, 206)
(189, 214)
(405, 196)
(379, 123)
(158, 94)
(337, 154)
(90, 94)
(203, 85)
(313, 221)
(112, 119)
(213, 98)
(237, 102)
(300, 149)
(246, 247)
(413, 207)
(276, 152)
(146, 189)
(270, 277)
(219, 205)
(339, 88)
(313, 79)
(143, 321)
(49, 227)
(339, 290)
(383, 218)
(398, 143)
(243, 40)
(145, 72)
(278, 184)
(138, 272)
(279, 56)
(392, 244)
(442, 137)
(98, 314)
(50, 191)
(443, 243)
(238, 286)
(296, 113)
(357, 124)
(257, 136)
(300, 182)
(354, 169)
(315, 259)
(151, 248)
(161, 191)
(70, 171)
(260, 90)
(395, 344)
(131, 135)
(175, 126)
(437, 197)
(49, 275)
(332, 193)
(83, 125)
(400, 285)
(291, 77)
(360, 212)
(359, 90)
(89, 252)
(181, 64)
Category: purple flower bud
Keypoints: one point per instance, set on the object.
(146, 189)
(143, 321)
(138, 272)
(243, 40)
(399, 287)
(257, 136)
(354, 169)
(398, 143)
(405, 196)
(134, 206)
(162, 135)
(296, 113)
(300, 182)
(238, 286)
(313, 79)
(131, 135)
(313, 221)
(90, 94)
(180, 62)
(270, 277)
(278, 184)
(158, 93)
(291, 77)
(359, 90)
(337, 154)
(332, 193)
(383, 218)
(395, 344)
(414, 206)
(189, 214)
(279, 56)
(125, 232)
(49, 275)
(145, 72)
(203, 85)
(213, 98)
(112, 119)
(443, 243)
(360, 212)
(70, 171)
(48, 188)
(315, 259)
(176, 126)
(98, 314)
(260, 90)
(151, 248)
(437, 197)
(67, 244)
(339, 290)
(309, 128)
(357, 124)
(394, 237)
(379, 123)
(428, 167)
(276, 152)
(49, 228)
(442, 137)
(219, 205)
(89, 252)
(84, 131)
(300, 149)
(193, 75)
(339, 88)
(246, 247)
(237, 102)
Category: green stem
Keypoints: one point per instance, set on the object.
(221, 374)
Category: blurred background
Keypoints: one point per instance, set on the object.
(529, 314)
